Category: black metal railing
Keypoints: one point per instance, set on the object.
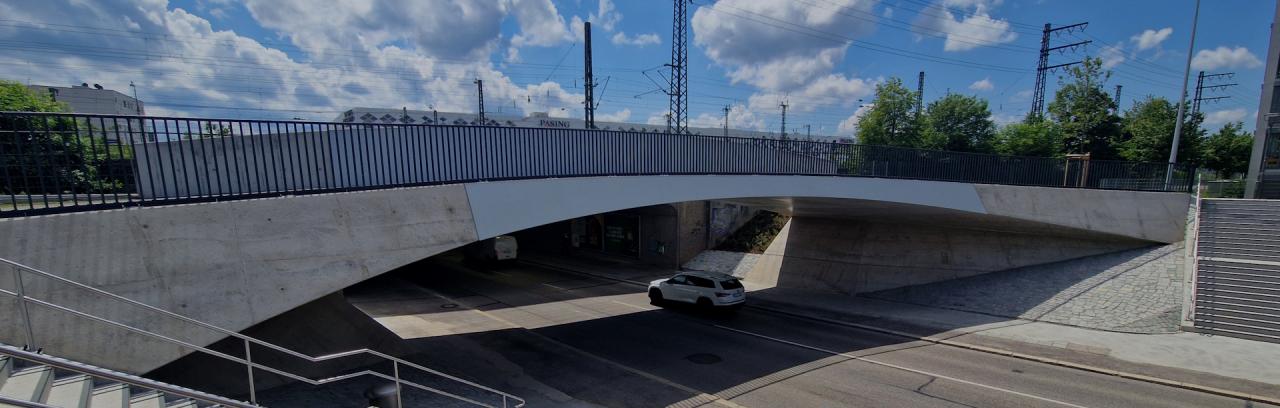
(56, 162)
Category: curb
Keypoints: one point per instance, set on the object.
(967, 346)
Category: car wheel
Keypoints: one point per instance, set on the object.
(704, 303)
(655, 297)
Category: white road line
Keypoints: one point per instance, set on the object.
(853, 357)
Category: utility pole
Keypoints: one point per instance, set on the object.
(1200, 87)
(589, 104)
(678, 87)
(1117, 99)
(137, 107)
(1043, 67)
(480, 94)
(726, 120)
(920, 95)
(784, 120)
(1182, 100)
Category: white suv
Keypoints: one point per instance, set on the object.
(701, 288)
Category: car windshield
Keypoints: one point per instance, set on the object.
(731, 284)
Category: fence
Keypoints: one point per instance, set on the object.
(55, 162)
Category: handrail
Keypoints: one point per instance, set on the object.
(396, 362)
(116, 376)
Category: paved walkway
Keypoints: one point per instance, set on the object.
(1138, 291)
(1223, 356)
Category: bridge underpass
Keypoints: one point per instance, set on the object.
(186, 240)
(238, 263)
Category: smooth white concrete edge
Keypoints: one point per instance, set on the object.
(506, 206)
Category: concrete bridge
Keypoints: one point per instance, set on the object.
(235, 258)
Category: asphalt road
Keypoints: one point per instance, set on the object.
(567, 340)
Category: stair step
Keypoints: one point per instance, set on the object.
(186, 403)
(151, 399)
(70, 391)
(28, 384)
(110, 396)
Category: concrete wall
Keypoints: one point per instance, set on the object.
(232, 264)
(237, 263)
(855, 256)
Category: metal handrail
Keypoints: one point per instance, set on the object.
(103, 373)
(23, 299)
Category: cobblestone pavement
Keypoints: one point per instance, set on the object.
(729, 263)
(1136, 291)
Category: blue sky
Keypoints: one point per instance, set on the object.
(310, 59)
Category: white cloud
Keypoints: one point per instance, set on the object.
(619, 116)
(540, 24)
(1222, 117)
(740, 117)
(776, 57)
(888, 12)
(849, 126)
(1112, 55)
(1225, 57)
(621, 38)
(375, 55)
(983, 85)
(1151, 38)
(607, 16)
(444, 28)
(973, 30)
(830, 90)
(657, 118)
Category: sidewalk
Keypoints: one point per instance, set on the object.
(1235, 365)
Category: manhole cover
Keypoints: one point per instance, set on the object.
(449, 306)
(703, 358)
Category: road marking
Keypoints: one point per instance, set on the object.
(908, 369)
(697, 398)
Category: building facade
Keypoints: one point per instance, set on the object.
(1263, 180)
(96, 99)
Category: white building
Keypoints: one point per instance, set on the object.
(85, 99)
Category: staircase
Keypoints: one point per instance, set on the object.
(1237, 291)
(34, 379)
(29, 379)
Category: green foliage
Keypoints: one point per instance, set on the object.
(1082, 109)
(892, 121)
(17, 97)
(756, 234)
(1148, 132)
(1040, 138)
(1227, 151)
(959, 123)
(52, 155)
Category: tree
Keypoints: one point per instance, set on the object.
(46, 154)
(1083, 110)
(18, 98)
(1227, 151)
(1148, 132)
(1039, 138)
(959, 123)
(892, 120)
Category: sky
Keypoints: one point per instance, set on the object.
(271, 59)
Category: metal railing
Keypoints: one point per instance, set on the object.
(59, 162)
(24, 299)
(111, 375)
